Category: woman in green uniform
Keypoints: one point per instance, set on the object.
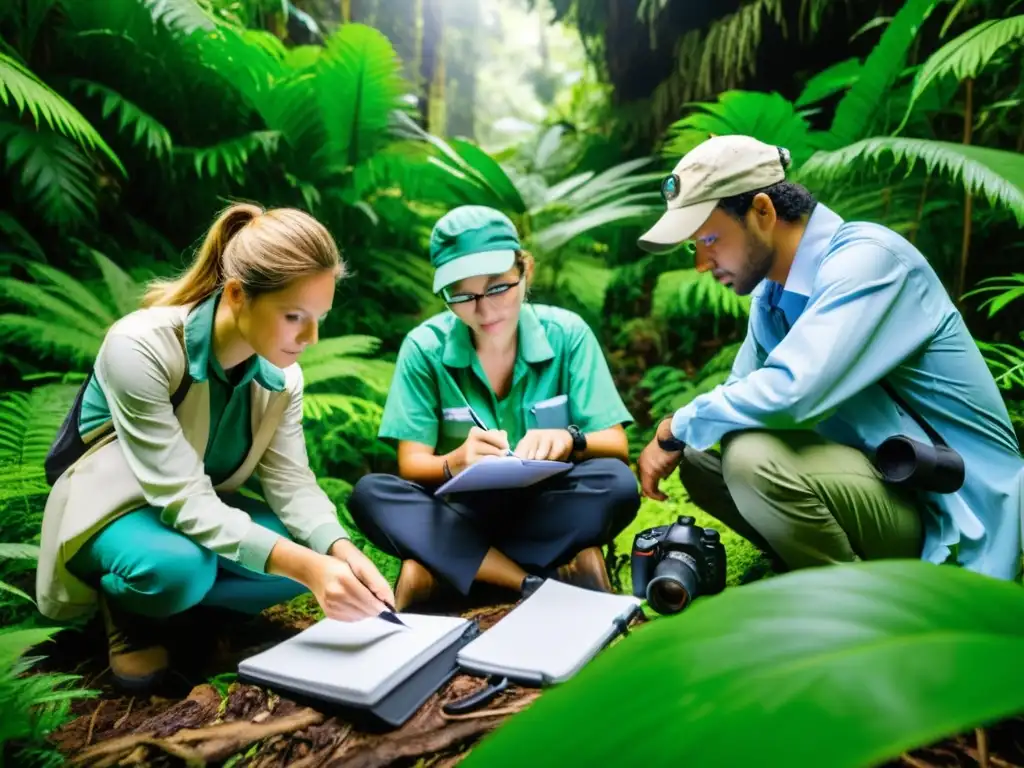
(190, 397)
(536, 378)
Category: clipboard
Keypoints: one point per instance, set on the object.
(503, 472)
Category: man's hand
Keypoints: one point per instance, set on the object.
(655, 463)
(552, 444)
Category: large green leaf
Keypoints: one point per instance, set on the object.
(358, 85)
(491, 171)
(838, 77)
(856, 114)
(765, 116)
(20, 85)
(996, 174)
(966, 55)
(844, 666)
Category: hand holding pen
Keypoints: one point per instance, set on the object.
(349, 587)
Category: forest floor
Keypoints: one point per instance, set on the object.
(214, 720)
(209, 718)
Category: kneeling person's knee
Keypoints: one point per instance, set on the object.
(174, 578)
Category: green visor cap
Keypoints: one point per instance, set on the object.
(470, 241)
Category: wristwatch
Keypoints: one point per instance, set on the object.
(672, 444)
(579, 440)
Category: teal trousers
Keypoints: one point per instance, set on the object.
(146, 567)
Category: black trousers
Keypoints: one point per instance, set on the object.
(540, 527)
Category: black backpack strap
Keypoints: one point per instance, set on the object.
(68, 445)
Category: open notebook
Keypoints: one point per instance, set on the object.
(550, 636)
(372, 664)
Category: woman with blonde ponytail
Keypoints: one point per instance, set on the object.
(191, 397)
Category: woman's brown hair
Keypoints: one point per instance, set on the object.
(264, 250)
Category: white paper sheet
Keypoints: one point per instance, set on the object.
(358, 662)
(498, 472)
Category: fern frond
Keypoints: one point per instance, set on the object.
(56, 176)
(1006, 289)
(967, 55)
(28, 92)
(232, 154)
(48, 337)
(147, 130)
(181, 15)
(29, 422)
(560, 233)
(318, 407)
(688, 293)
(996, 174)
(20, 236)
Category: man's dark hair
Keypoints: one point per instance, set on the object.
(790, 199)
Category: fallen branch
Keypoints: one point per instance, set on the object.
(214, 742)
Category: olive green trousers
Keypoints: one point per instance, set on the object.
(802, 499)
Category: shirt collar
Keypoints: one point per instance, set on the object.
(792, 297)
(201, 361)
(533, 346)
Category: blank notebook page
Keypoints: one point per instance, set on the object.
(552, 633)
(355, 662)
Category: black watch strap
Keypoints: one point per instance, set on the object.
(579, 440)
(672, 444)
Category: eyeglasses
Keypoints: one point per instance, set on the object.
(495, 290)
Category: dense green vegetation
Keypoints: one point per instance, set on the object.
(124, 125)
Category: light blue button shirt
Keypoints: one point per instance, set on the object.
(861, 303)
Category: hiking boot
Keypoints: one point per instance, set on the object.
(415, 584)
(586, 570)
(138, 660)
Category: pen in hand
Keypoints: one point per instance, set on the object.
(476, 420)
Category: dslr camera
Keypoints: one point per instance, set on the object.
(675, 564)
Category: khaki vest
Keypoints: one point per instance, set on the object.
(99, 487)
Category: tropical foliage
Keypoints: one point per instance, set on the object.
(125, 125)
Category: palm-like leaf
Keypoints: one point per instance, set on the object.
(183, 15)
(146, 129)
(318, 407)
(56, 176)
(358, 86)
(838, 77)
(966, 55)
(856, 114)
(996, 174)
(28, 92)
(765, 116)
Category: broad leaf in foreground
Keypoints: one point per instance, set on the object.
(844, 666)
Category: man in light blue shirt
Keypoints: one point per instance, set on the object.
(836, 308)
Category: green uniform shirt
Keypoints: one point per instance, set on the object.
(230, 422)
(560, 378)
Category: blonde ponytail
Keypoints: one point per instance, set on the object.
(264, 250)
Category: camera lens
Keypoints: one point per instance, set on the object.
(675, 583)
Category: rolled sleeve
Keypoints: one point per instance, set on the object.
(136, 384)
(861, 321)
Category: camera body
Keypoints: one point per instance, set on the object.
(677, 563)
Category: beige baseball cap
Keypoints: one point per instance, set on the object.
(722, 166)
